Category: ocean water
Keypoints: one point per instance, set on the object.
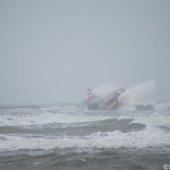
(69, 137)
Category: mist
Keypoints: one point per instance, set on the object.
(51, 51)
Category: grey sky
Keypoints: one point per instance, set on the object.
(50, 50)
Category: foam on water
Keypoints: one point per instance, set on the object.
(159, 116)
(149, 137)
(46, 118)
(154, 119)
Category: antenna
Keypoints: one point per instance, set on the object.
(89, 91)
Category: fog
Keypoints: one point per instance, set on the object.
(51, 50)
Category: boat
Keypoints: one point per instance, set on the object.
(108, 102)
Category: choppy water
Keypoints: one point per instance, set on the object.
(68, 137)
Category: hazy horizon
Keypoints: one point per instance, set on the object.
(50, 51)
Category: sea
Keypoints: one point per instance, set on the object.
(70, 137)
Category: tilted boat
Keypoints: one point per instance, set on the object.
(108, 102)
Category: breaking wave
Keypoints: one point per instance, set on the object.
(149, 137)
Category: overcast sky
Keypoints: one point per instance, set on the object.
(51, 50)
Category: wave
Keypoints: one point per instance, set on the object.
(47, 118)
(154, 119)
(157, 117)
(149, 137)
